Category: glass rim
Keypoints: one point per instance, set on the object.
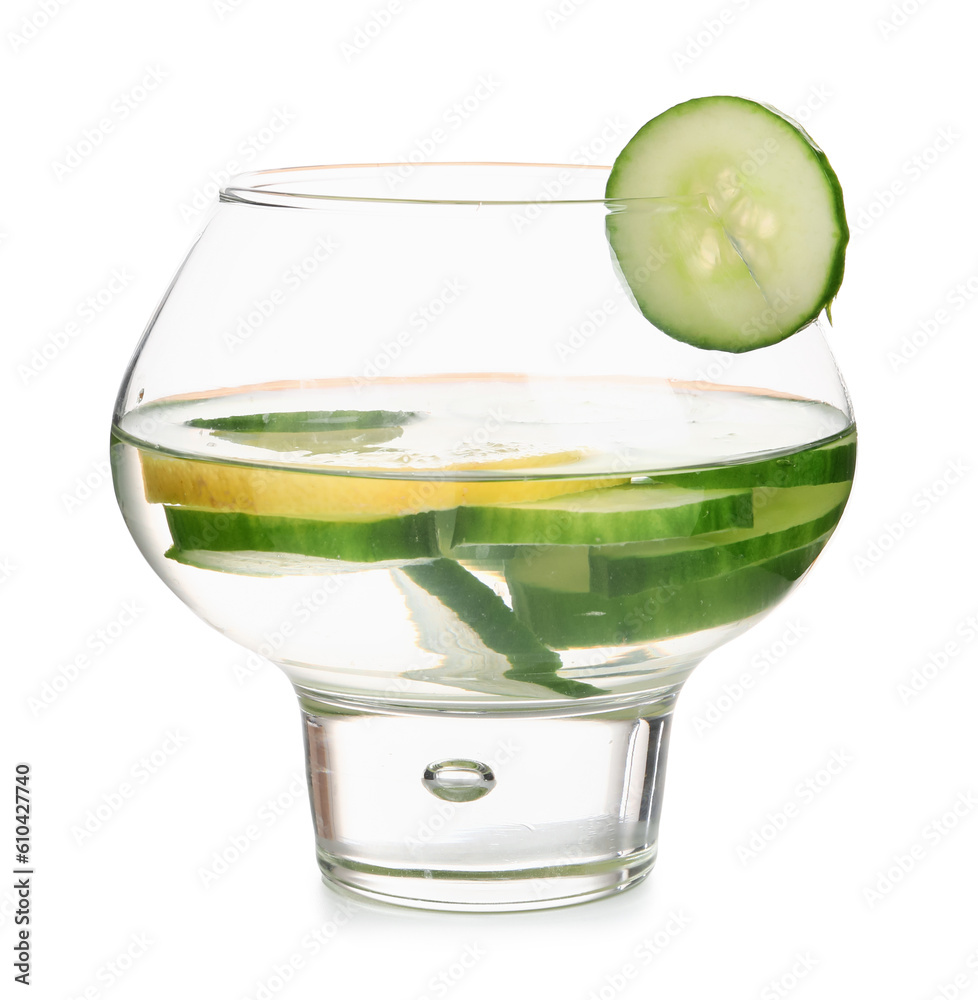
(268, 187)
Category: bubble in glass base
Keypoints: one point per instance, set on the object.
(458, 780)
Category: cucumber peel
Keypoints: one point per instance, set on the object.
(784, 519)
(567, 620)
(410, 537)
(479, 607)
(617, 514)
(307, 420)
(833, 462)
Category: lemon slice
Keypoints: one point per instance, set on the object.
(313, 494)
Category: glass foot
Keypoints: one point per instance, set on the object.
(485, 812)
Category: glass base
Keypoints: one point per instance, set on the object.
(486, 811)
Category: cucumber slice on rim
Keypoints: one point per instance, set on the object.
(750, 246)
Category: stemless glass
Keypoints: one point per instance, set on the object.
(405, 434)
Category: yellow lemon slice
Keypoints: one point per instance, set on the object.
(340, 496)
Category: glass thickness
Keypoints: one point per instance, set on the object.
(424, 454)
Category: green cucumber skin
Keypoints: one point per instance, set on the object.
(617, 224)
(616, 575)
(530, 525)
(410, 537)
(308, 420)
(834, 462)
(572, 620)
(833, 281)
(496, 625)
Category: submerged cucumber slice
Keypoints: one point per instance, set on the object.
(245, 562)
(784, 519)
(566, 620)
(410, 537)
(308, 420)
(750, 245)
(616, 514)
(479, 607)
(314, 432)
(833, 462)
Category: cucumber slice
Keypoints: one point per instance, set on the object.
(751, 246)
(307, 420)
(314, 442)
(313, 432)
(479, 607)
(617, 514)
(396, 538)
(834, 462)
(784, 519)
(244, 562)
(566, 620)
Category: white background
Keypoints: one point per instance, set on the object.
(876, 92)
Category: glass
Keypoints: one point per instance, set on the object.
(403, 432)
